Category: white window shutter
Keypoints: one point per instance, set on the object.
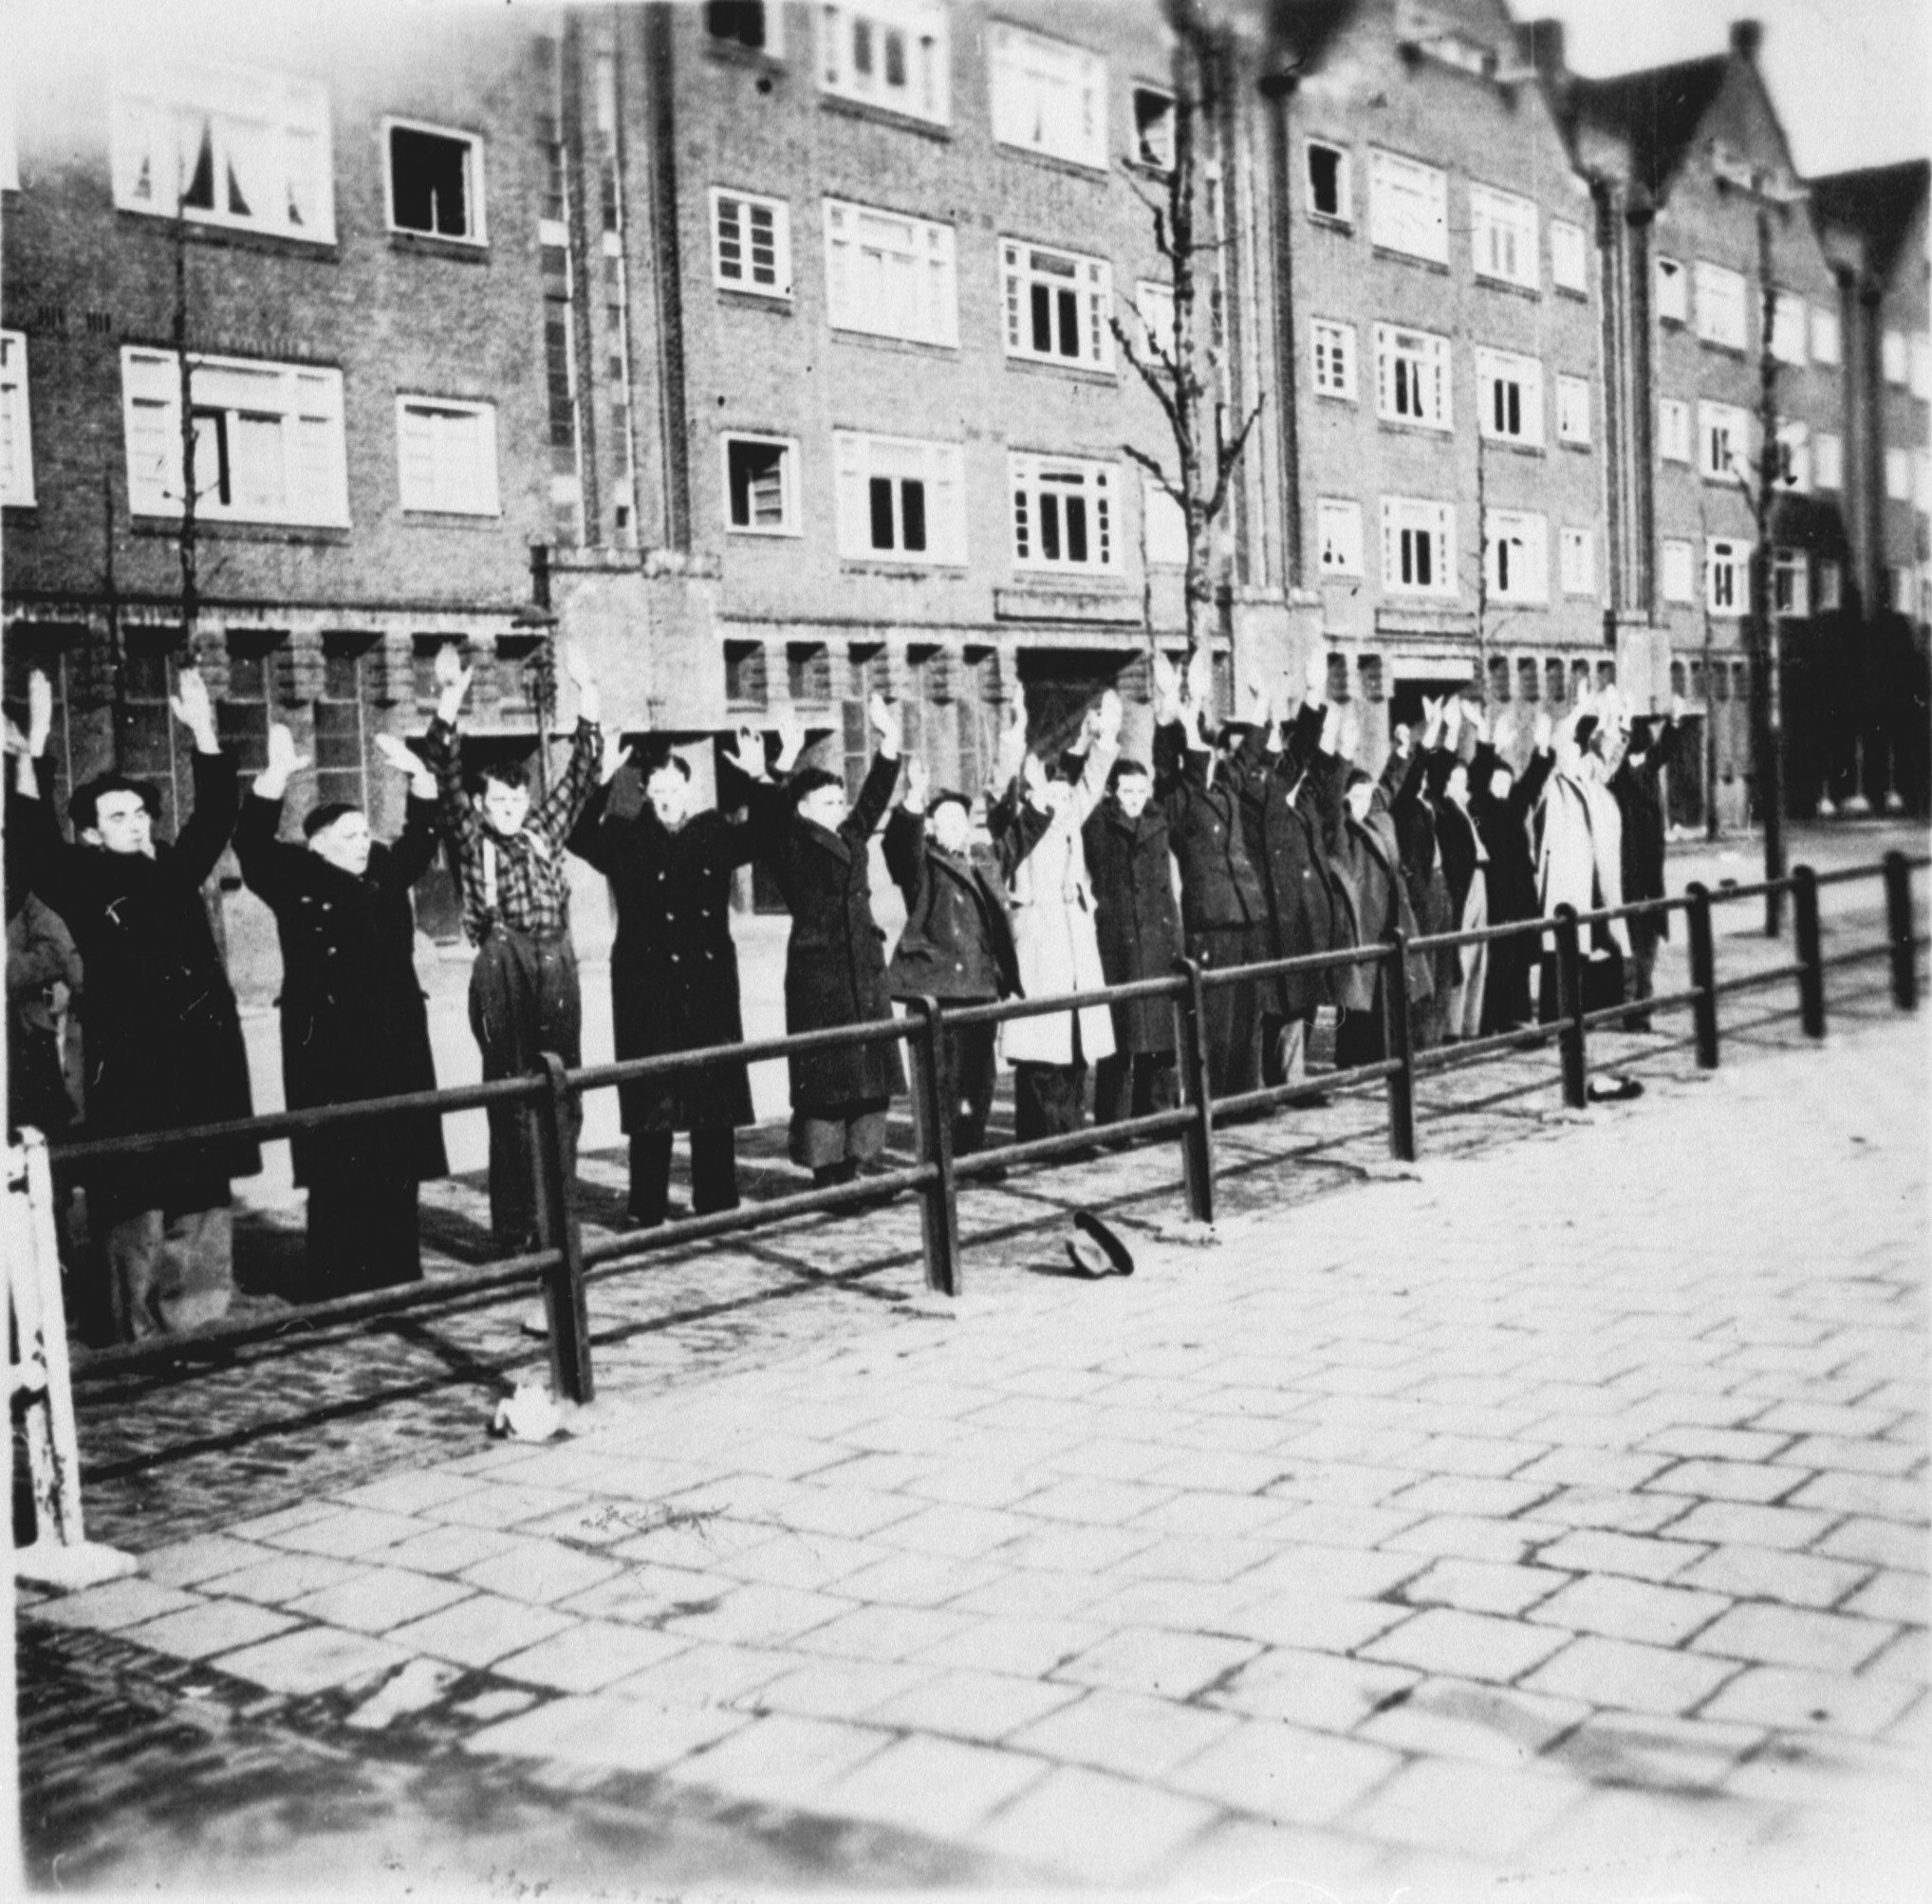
(946, 509)
(849, 469)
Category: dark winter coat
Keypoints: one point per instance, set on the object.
(674, 968)
(162, 1038)
(1414, 814)
(1638, 794)
(1137, 920)
(835, 962)
(958, 937)
(1219, 889)
(1504, 826)
(1366, 857)
(1285, 847)
(353, 1021)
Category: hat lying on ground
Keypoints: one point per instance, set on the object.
(1095, 1249)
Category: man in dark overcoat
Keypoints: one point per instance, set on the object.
(819, 855)
(1136, 921)
(1638, 788)
(163, 1040)
(1502, 802)
(674, 977)
(957, 944)
(1407, 789)
(353, 1021)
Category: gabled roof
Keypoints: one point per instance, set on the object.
(1657, 112)
(1878, 202)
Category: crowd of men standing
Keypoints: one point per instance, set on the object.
(1238, 842)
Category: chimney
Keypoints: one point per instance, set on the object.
(1747, 37)
(1539, 43)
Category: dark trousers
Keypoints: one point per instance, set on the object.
(969, 1069)
(1640, 968)
(524, 1001)
(1049, 1099)
(1361, 1037)
(1231, 1014)
(361, 1235)
(714, 1174)
(1134, 1085)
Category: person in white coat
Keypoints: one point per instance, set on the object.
(1054, 932)
(1580, 844)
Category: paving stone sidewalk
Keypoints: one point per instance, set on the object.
(1555, 1513)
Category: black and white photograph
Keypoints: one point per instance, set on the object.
(968, 947)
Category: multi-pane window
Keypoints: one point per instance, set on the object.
(1831, 586)
(1788, 328)
(1338, 535)
(1789, 594)
(1163, 525)
(1408, 207)
(744, 22)
(1568, 256)
(1154, 309)
(1503, 233)
(341, 749)
(1063, 515)
(1727, 572)
(1418, 547)
(1412, 377)
(1328, 182)
(1673, 300)
(1154, 128)
(16, 427)
(900, 499)
(224, 146)
(1552, 681)
(1335, 358)
(1509, 397)
(434, 180)
(1794, 456)
(446, 455)
(1721, 305)
(1826, 346)
(891, 53)
(750, 243)
(1674, 430)
(253, 698)
(1894, 356)
(1573, 410)
(1899, 475)
(1048, 96)
(747, 680)
(1057, 305)
(1578, 561)
(1528, 678)
(1679, 572)
(889, 276)
(1725, 437)
(1517, 553)
(1827, 464)
(267, 439)
(761, 484)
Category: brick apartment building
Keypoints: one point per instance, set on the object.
(782, 332)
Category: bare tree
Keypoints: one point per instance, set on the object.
(1185, 369)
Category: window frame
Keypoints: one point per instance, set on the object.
(1794, 453)
(475, 184)
(1714, 310)
(1791, 574)
(16, 399)
(793, 526)
(857, 455)
(781, 236)
(168, 92)
(771, 22)
(836, 25)
(143, 500)
(1344, 183)
(1898, 475)
(1825, 325)
(1673, 306)
(1789, 315)
(1675, 409)
(1346, 509)
(1143, 89)
(1577, 579)
(1738, 421)
(1441, 532)
(1562, 230)
(1493, 214)
(1389, 347)
(1348, 391)
(1525, 530)
(1895, 359)
(1388, 219)
(1502, 367)
(1154, 320)
(1684, 592)
(1156, 501)
(1092, 283)
(1573, 424)
(1831, 596)
(1729, 556)
(943, 259)
(1087, 76)
(1027, 470)
(480, 410)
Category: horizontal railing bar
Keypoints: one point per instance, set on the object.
(627, 1070)
(1748, 980)
(1270, 1095)
(1863, 957)
(1450, 1057)
(1149, 1124)
(1004, 1011)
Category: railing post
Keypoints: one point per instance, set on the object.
(933, 1137)
(1570, 1037)
(1197, 1137)
(564, 1305)
(1898, 918)
(1810, 957)
(1399, 1044)
(1703, 966)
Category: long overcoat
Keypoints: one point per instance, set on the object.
(1366, 861)
(1219, 889)
(354, 1024)
(1054, 929)
(1504, 826)
(1640, 797)
(958, 936)
(1411, 807)
(162, 1038)
(1137, 919)
(835, 961)
(674, 968)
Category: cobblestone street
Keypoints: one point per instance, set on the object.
(1553, 1512)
